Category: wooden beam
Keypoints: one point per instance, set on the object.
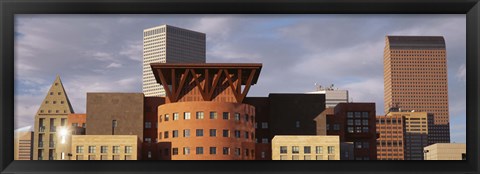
(229, 79)
(164, 84)
(216, 79)
(199, 86)
(174, 85)
(247, 85)
(181, 84)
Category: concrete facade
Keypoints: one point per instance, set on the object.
(168, 44)
(415, 77)
(305, 147)
(50, 117)
(446, 151)
(332, 96)
(105, 147)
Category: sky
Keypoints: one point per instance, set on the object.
(103, 53)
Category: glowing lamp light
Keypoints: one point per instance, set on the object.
(63, 132)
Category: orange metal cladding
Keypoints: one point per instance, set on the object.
(206, 88)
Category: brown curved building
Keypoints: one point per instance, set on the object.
(204, 117)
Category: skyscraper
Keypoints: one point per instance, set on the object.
(51, 116)
(415, 78)
(168, 44)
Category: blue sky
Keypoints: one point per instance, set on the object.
(103, 53)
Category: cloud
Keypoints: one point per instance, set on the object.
(462, 73)
(114, 65)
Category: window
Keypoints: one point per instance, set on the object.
(265, 140)
(283, 157)
(366, 145)
(175, 116)
(166, 117)
(319, 157)
(283, 149)
(51, 93)
(350, 129)
(358, 114)
(213, 132)
(175, 133)
(186, 133)
(165, 134)
(237, 116)
(364, 114)
(256, 125)
(237, 151)
(128, 149)
(246, 117)
(295, 149)
(186, 115)
(226, 133)
(63, 121)
(331, 149)
(297, 124)
(318, 149)
(264, 125)
(226, 150)
(358, 122)
(246, 152)
(365, 129)
(199, 133)
(104, 149)
(186, 150)
(213, 115)
(306, 149)
(226, 115)
(327, 127)
(148, 125)
(213, 150)
(199, 150)
(116, 149)
(59, 93)
(79, 149)
(295, 157)
(148, 140)
(237, 134)
(349, 114)
(365, 122)
(307, 157)
(336, 127)
(91, 149)
(175, 151)
(199, 115)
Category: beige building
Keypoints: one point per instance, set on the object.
(415, 77)
(446, 151)
(23, 143)
(168, 44)
(50, 117)
(305, 147)
(415, 133)
(104, 147)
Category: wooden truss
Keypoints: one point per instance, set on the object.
(207, 78)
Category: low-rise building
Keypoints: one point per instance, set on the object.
(446, 151)
(104, 147)
(305, 147)
(23, 143)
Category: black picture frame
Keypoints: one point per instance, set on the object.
(8, 8)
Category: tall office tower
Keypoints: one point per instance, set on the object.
(51, 116)
(168, 44)
(415, 77)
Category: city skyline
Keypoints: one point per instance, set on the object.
(119, 72)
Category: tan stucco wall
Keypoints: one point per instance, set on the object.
(104, 140)
(301, 141)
